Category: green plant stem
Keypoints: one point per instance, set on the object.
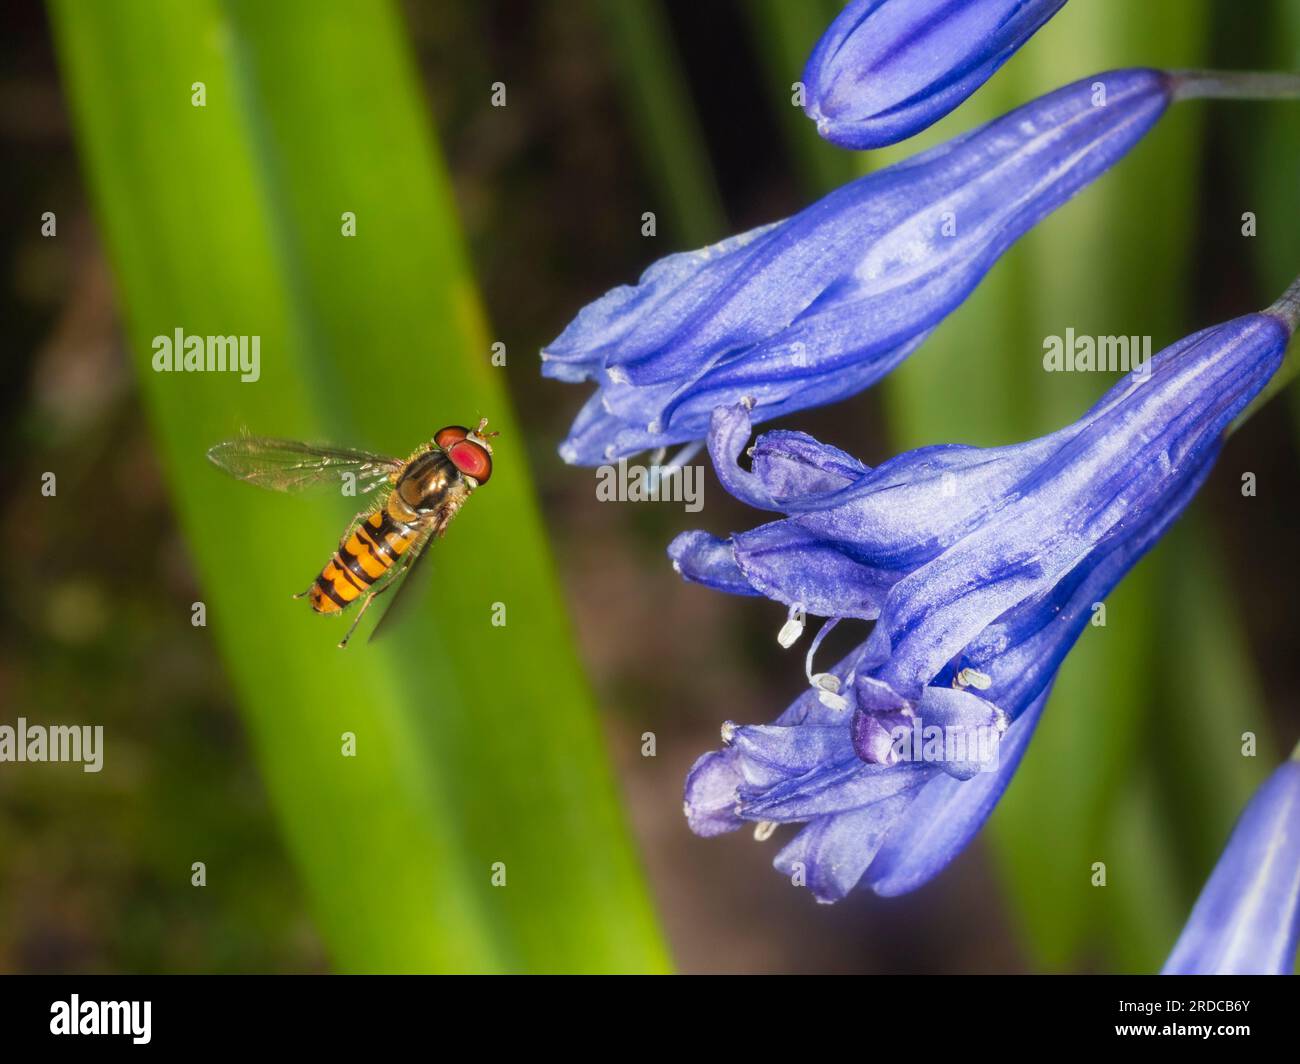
(1234, 85)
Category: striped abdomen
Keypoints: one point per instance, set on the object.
(367, 554)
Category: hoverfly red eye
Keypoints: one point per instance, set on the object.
(444, 438)
(471, 459)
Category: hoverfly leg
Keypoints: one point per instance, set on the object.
(365, 605)
(358, 518)
(306, 592)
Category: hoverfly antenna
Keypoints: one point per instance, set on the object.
(482, 435)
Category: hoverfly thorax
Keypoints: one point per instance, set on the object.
(428, 482)
(443, 476)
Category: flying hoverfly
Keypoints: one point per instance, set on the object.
(420, 495)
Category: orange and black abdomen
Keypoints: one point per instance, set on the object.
(369, 551)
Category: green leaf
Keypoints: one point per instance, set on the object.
(475, 744)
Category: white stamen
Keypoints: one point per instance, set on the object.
(728, 731)
(827, 682)
(617, 375)
(678, 461)
(659, 473)
(748, 402)
(832, 701)
(822, 633)
(763, 830)
(973, 678)
(792, 628)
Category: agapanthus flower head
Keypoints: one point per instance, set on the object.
(890, 827)
(886, 69)
(815, 308)
(1247, 919)
(980, 568)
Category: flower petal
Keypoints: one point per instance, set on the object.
(792, 465)
(1247, 919)
(946, 815)
(795, 567)
(710, 801)
(770, 752)
(832, 789)
(705, 559)
(1109, 477)
(634, 316)
(830, 855)
(880, 250)
(1020, 652)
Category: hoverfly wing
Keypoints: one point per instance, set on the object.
(402, 581)
(288, 465)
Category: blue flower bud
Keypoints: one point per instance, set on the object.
(886, 69)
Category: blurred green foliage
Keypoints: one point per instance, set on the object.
(659, 104)
(475, 744)
(1271, 142)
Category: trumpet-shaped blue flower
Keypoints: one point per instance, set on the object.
(886, 69)
(1247, 919)
(815, 308)
(980, 568)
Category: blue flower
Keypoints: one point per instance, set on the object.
(815, 308)
(887, 69)
(1247, 919)
(888, 827)
(980, 568)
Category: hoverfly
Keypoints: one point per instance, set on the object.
(383, 543)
